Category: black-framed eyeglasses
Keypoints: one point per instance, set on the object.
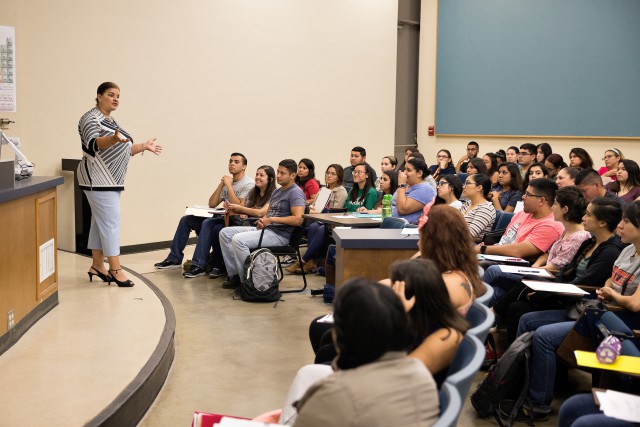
(527, 194)
(468, 183)
(442, 183)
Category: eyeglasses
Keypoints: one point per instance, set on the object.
(332, 174)
(524, 153)
(359, 172)
(527, 194)
(442, 183)
(442, 156)
(468, 183)
(608, 156)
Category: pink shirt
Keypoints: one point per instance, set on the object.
(563, 250)
(604, 170)
(541, 233)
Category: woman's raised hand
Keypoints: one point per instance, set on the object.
(151, 145)
(398, 286)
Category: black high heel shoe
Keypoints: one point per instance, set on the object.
(125, 284)
(104, 277)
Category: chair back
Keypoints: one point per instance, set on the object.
(486, 298)
(296, 236)
(480, 319)
(391, 222)
(462, 176)
(499, 214)
(450, 406)
(466, 364)
(504, 221)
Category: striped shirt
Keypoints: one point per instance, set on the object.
(102, 170)
(480, 220)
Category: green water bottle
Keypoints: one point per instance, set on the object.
(386, 206)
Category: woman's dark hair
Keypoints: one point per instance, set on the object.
(514, 148)
(557, 161)
(543, 168)
(433, 308)
(585, 159)
(353, 195)
(501, 155)
(546, 150)
(369, 321)
(483, 181)
(454, 183)
(393, 185)
(494, 163)
(253, 199)
(446, 240)
(312, 172)
(339, 172)
(571, 197)
(634, 175)
(572, 172)
(105, 87)
(450, 164)
(632, 213)
(420, 165)
(412, 150)
(607, 210)
(479, 165)
(516, 176)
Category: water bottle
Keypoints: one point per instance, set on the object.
(386, 206)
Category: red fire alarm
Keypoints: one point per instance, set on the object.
(431, 130)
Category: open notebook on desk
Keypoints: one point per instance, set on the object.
(203, 211)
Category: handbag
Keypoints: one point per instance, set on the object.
(577, 308)
(581, 336)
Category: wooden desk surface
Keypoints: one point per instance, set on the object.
(352, 221)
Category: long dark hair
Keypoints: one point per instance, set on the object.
(393, 184)
(339, 172)
(586, 162)
(456, 186)
(483, 181)
(433, 305)
(516, 177)
(312, 172)
(446, 240)
(571, 198)
(493, 159)
(254, 200)
(634, 175)
(368, 184)
(369, 321)
(412, 150)
(546, 150)
(479, 164)
(542, 167)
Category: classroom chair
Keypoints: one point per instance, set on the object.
(466, 364)
(450, 406)
(480, 319)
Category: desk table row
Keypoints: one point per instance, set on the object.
(365, 251)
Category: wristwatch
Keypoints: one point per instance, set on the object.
(483, 249)
(402, 186)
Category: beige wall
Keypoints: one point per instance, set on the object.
(457, 145)
(272, 79)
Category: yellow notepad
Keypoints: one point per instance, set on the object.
(625, 364)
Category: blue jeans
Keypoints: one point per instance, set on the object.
(236, 244)
(496, 278)
(208, 240)
(315, 237)
(550, 330)
(581, 411)
(180, 239)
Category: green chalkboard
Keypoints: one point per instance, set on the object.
(538, 67)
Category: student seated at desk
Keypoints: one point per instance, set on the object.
(508, 192)
(234, 188)
(413, 192)
(449, 191)
(478, 212)
(532, 231)
(388, 186)
(316, 231)
(551, 328)
(363, 193)
(306, 180)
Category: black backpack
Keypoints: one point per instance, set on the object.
(261, 277)
(507, 379)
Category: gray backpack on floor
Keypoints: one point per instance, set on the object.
(260, 277)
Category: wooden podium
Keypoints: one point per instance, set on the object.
(28, 255)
